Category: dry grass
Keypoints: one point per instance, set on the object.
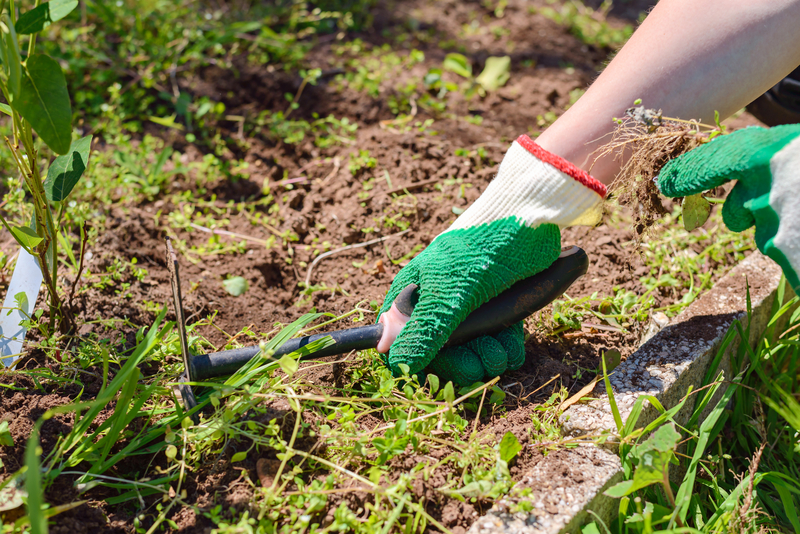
(646, 140)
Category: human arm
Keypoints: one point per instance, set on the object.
(689, 59)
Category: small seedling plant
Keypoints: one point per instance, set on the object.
(37, 101)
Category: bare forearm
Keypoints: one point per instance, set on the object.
(689, 59)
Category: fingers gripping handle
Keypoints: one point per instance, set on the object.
(516, 303)
(396, 318)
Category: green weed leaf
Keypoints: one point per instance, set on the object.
(449, 393)
(654, 456)
(498, 396)
(433, 380)
(288, 364)
(235, 285)
(696, 210)
(495, 74)
(44, 102)
(41, 17)
(5, 435)
(26, 236)
(239, 456)
(509, 447)
(21, 299)
(171, 452)
(66, 170)
(459, 64)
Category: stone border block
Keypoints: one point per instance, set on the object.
(678, 356)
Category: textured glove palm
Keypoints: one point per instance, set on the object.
(766, 163)
(510, 233)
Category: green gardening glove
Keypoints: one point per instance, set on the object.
(766, 163)
(510, 233)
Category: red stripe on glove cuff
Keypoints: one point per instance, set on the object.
(562, 165)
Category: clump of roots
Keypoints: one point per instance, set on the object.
(646, 141)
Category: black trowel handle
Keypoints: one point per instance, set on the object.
(513, 305)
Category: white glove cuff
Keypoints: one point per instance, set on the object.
(537, 187)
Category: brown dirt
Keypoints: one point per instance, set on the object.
(326, 207)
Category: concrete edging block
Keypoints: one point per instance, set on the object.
(665, 366)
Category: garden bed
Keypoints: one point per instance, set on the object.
(280, 204)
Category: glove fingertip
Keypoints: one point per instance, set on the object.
(513, 341)
(492, 355)
(736, 217)
(459, 364)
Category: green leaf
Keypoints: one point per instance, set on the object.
(26, 236)
(654, 456)
(41, 17)
(288, 364)
(449, 393)
(235, 285)
(459, 64)
(171, 452)
(498, 396)
(495, 74)
(591, 528)
(696, 210)
(475, 489)
(5, 436)
(11, 60)
(169, 122)
(5, 108)
(66, 170)
(21, 299)
(44, 102)
(509, 447)
(433, 380)
(239, 456)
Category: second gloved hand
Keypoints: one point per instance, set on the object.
(511, 232)
(765, 162)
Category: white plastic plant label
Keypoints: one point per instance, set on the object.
(18, 306)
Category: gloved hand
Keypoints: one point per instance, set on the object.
(766, 163)
(510, 233)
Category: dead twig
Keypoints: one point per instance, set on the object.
(84, 240)
(348, 247)
(337, 162)
(214, 231)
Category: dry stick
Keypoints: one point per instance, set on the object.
(80, 265)
(348, 247)
(409, 187)
(336, 164)
(229, 234)
(478, 415)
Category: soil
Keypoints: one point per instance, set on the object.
(328, 203)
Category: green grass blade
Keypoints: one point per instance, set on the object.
(682, 499)
(611, 401)
(33, 485)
